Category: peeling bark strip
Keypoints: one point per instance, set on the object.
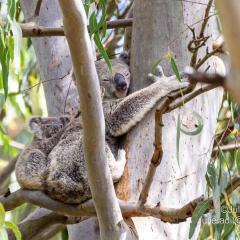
(108, 211)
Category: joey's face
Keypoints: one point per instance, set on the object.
(46, 127)
(115, 83)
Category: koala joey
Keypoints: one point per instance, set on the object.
(31, 164)
(65, 177)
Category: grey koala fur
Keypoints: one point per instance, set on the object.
(65, 173)
(32, 162)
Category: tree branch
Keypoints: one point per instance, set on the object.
(42, 224)
(7, 170)
(108, 211)
(227, 147)
(158, 152)
(32, 30)
(170, 215)
(188, 97)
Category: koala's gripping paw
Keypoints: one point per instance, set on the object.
(119, 165)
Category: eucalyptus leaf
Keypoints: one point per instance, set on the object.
(2, 101)
(14, 228)
(17, 36)
(4, 59)
(102, 50)
(2, 214)
(175, 68)
(197, 214)
(3, 234)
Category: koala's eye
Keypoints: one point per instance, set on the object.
(105, 80)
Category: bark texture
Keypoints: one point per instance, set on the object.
(108, 211)
(162, 26)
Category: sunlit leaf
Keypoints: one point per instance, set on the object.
(17, 36)
(174, 66)
(14, 228)
(3, 234)
(197, 214)
(11, 8)
(4, 59)
(2, 101)
(93, 25)
(102, 50)
(2, 214)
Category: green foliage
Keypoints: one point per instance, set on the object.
(95, 26)
(197, 214)
(6, 224)
(171, 59)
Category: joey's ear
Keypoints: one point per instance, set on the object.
(35, 126)
(125, 57)
(65, 119)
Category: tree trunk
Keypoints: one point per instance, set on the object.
(162, 26)
(54, 60)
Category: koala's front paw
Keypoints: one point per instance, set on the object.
(158, 71)
(119, 165)
(157, 74)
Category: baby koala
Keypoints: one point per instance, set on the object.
(67, 175)
(32, 162)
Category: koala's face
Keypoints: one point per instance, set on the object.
(46, 127)
(115, 83)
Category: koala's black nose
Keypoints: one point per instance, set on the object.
(119, 81)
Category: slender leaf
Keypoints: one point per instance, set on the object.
(102, 50)
(4, 59)
(12, 8)
(17, 36)
(178, 137)
(170, 57)
(3, 234)
(197, 214)
(154, 66)
(2, 101)
(93, 25)
(2, 214)
(14, 228)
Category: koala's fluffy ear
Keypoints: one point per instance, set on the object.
(125, 57)
(35, 126)
(65, 120)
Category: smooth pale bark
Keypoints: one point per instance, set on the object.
(53, 56)
(54, 59)
(230, 19)
(162, 25)
(108, 211)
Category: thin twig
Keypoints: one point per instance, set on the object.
(7, 170)
(32, 30)
(200, 40)
(181, 101)
(228, 147)
(207, 56)
(157, 154)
